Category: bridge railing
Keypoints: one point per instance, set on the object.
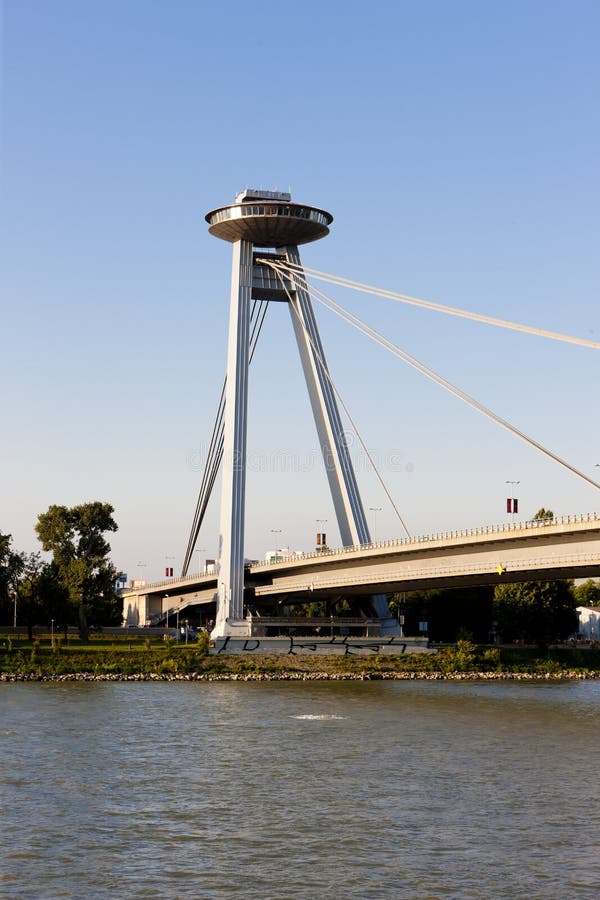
(169, 582)
(320, 621)
(508, 527)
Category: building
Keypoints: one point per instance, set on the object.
(589, 623)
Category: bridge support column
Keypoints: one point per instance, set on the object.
(338, 465)
(230, 590)
(347, 502)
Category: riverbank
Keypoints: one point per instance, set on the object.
(167, 661)
(291, 675)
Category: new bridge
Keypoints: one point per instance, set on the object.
(567, 547)
(265, 229)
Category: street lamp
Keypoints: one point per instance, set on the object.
(166, 611)
(321, 522)
(141, 565)
(276, 531)
(375, 510)
(199, 550)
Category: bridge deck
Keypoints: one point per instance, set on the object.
(564, 548)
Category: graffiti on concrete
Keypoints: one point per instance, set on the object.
(298, 645)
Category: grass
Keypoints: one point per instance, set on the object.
(129, 655)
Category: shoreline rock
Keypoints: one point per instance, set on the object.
(294, 675)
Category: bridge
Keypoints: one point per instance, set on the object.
(566, 547)
(241, 599)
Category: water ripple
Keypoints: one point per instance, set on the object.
(408, 790)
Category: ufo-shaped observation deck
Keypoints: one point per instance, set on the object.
(268, 219)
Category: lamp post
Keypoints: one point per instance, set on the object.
(321, 522)
(141, 565)
(199, 550)
(166, 611)
(513, 485)
(52, 632)
(276, 531)
(167, 567)
(375, 510)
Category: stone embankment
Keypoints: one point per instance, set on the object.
(567, 675)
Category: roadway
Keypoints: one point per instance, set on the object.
(567, 547)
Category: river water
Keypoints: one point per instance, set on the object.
(310, 790)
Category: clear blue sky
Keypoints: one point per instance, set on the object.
(456, 144)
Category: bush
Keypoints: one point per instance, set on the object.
(203, 645)
(490, 659)
(461, 658)
(34, 650)
(167, 667)
(464, 635)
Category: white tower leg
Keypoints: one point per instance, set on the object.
(338, 465)
(230, 594)
(347, 503)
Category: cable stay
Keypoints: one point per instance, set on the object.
(216, 441)
(215, 450)
(397, 351)
(342, 403)
(439, 307)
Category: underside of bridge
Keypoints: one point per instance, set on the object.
(307, 611)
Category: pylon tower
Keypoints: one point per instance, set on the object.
(266, 225)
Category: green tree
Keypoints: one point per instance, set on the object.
(588, 593)
(40, 595)
(5, 540)
(543, 515)
(27, 590)
(80, 551)
(450, 613)
(535, 611)
(11, 565)
(54, 598)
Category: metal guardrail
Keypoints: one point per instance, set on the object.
(507, 528)
(336, 621)
(170, 582)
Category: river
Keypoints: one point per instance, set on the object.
(310, 790)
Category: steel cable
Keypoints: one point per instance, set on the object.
(397, 351)
(440, 307)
